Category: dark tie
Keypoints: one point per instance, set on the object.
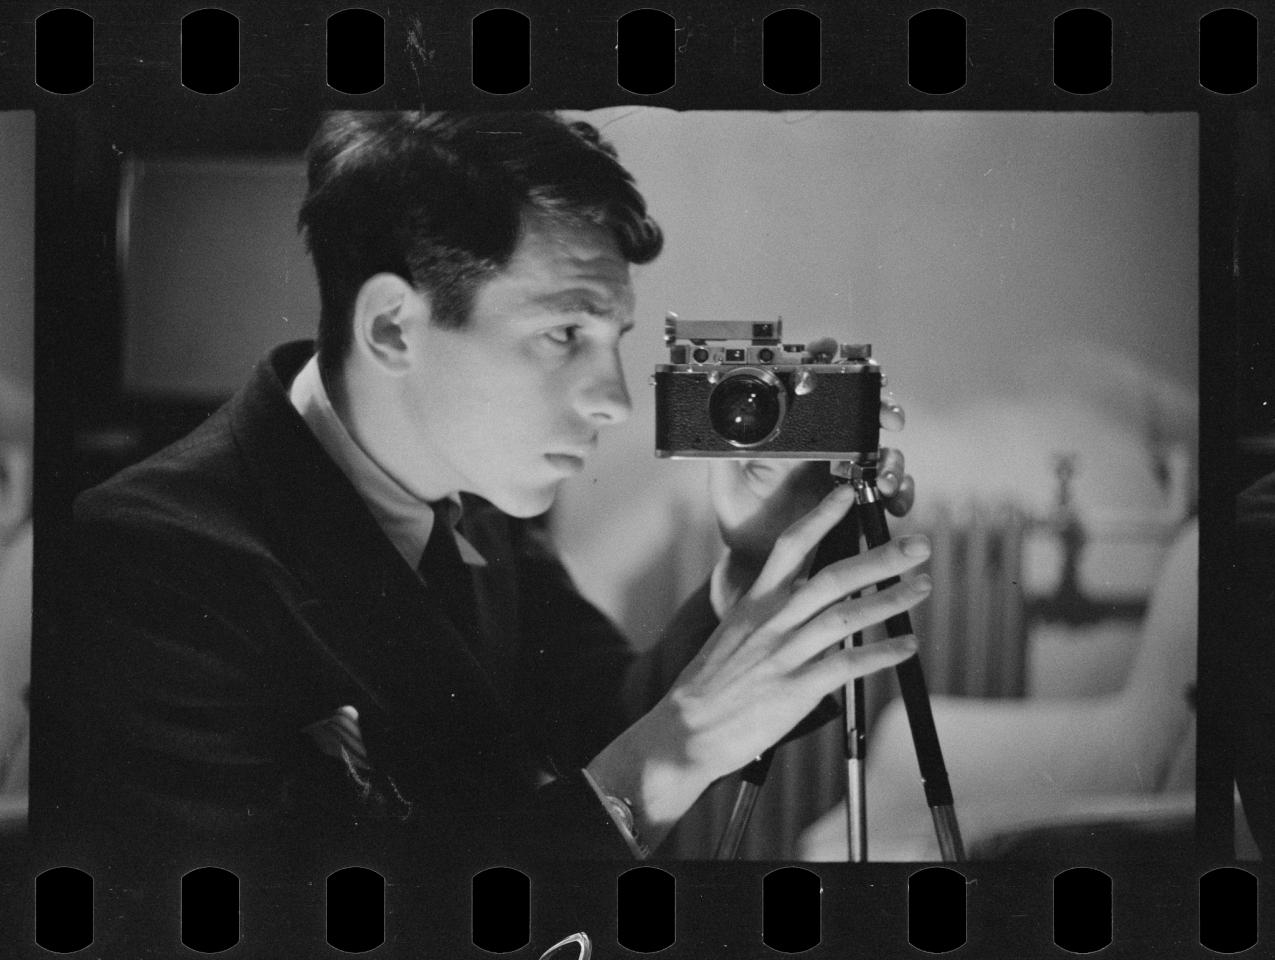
(448, 577)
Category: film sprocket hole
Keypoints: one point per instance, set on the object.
(733, 388)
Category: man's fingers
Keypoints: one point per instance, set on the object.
(823, 345)
(890, 471)
(901, 502)
(821, 676)
(840, 579)
(892, 417)
(795, 544)
(850, 616)
(892, 460)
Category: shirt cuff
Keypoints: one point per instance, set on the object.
(620, 810)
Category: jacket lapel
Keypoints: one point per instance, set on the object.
(364, 610)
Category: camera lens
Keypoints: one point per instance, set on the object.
(747, 407)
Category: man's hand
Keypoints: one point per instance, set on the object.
(756, 500)
(770, 661)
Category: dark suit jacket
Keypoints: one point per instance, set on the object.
(234, 589)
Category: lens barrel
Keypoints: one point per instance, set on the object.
(747, 407)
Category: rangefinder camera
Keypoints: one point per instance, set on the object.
(733, 388)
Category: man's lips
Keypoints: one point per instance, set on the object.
(567, 462)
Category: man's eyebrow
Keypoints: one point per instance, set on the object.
(582, 296)
(573, 296)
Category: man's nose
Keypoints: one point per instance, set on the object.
(605, 397)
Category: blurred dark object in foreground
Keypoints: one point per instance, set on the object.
(1166, 836)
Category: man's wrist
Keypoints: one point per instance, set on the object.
(637, 766)
(620, 810)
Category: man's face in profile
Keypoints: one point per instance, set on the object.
(512, 402)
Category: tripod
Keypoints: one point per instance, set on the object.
(867, 517)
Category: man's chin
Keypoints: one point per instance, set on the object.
(526, 503)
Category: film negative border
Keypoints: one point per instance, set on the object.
(646, 44)
(719, 57)
(864, 53)
(751, 909)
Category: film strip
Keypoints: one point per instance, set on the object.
(793, 911)
(646, 51)
(109, 80)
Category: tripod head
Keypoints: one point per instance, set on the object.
(861, 470)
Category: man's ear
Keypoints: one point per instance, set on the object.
(386, 309)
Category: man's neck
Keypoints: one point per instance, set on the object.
(334, 385)
(351, 409)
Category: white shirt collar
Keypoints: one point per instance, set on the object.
(405, 518)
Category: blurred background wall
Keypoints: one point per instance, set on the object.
(215, 272)
(17, 244)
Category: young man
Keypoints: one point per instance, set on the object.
(325, 613)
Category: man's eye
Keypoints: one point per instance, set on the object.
(563, 335)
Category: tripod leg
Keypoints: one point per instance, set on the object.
(751, 779)
(916, 699)
(856, 757)
(843, 542)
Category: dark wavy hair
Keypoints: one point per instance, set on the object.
(439, 199)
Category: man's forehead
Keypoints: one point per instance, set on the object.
(571, 241)
(584, 252)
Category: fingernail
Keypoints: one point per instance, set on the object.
(922, 583)
(906, 644)
(916, 545)
(888, 479)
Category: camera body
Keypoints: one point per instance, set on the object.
(735, 389)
